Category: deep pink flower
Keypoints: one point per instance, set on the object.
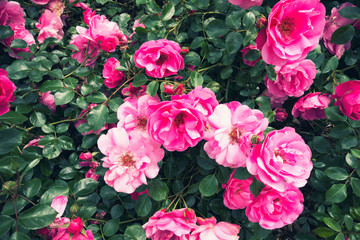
(50, 25)
(176, 124)
(273, 209)
(292, 79)
(63, 234)
(48, 100)
(43, 231)
(88, 48)
(91, 174)
(135, 195)
(232, 127)
(59, 204)
(312, 106)
(261, 23)
(56, 6)
(133, 92)
(75, 226)
(40, 2)
(347, 96)
(85, 156)
(208, 229)
(11, 13)
(245, 50)
(237, 193)
(81, 5)
(283, 158)
(7, 88)
(174, 225)
(161, 58)
(130, 158)
(245, 4)
(280, 114)
(113, 77)
(34, 142)
(294, 29)
(88, 14)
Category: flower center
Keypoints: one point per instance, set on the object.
(286, 27)
(276, 200)
(179, 119)
(141, 122)
(234, 135)
(127, 160)
(161, 60)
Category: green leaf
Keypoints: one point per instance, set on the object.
(152, 88)
(19, 236)
(37, 217)
(89, 140)
(331, 64)
(111, 227)
(192, 58)
(233, 42)
(18, 70)
(349, 222)
(216, 28)
(63, 96)
(56, 73)
(158, 190)
(32, 187)
(5, 224)
(355, 152)
(208, 186)
(51, 193)
(5, 32)
(256, 187)
(249, 20)
(13, 117)
(143, 205)
(270, 72)
(349, 142)
(35, 75)
(51, 151)
(168, 12)
(343, 35)
(139, 79)
(336, 194)
(18, 43)
(324, 232)
(71, 82)
(96, 97)
(252, 55)
(51, 85)
(355, 184)
(336, 173)
(134, 232)
(97, 117)
(321, 145)
(9, 139)
(38, 119)
(331, 223)
(82, 72)
(67, 173)
(350, 12)
(242, 173)
(61, 128)
(233, 19)
(66, 143)
(196, 79)
(333, 114)
(152, 6)
(340, 236)
(85, 186)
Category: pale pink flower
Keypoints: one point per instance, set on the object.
(88, 48)
(233, 126)
(59, 204)
(245, 50)
(40, 2)
(294, 29)
(56, 6)
(174, 225)
(245, 4)
(113, 77)
(312, 106)
(161, 58)
(176, 124)
(208, 229)
(130, 158)
(237, 193)
(273, 209)
(48, 100)
(347, 97)
(292, 79)
(7, 88)
(11, 13)
(50, 25)
(283, 158)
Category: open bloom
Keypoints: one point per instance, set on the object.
(232, 126)
(208, 229)
(113, 77)
(294, 29)
(347, 97)
(312, 106)
(50, 25)
(245, 4)
(174, 225)
(7, 88)
(273, 209)
(11, 13)
(283, 158)
(130, 159)
(161, 58)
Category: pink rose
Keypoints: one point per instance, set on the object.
(81, 5)
(174, 225)
(88, 48)
(292, 79)
(7, 88)
(130, 158)
(63, 234)
(85, 156)
(91, 174)
(237, 193)
(161, 58)
(75, 226)
(11, 13)
(232, 127)
(347, 96)
(261, 22)
(283, 158)
(294, 29)
(48, 100)
(113, 77)
(176, 124)
(311, 106)
(273, 209)
(56, 6)
(59, 204)
(20, 32)
(245, 4)
(50, 25)
(40, 2)
(134, 196)
(245, 50)
(208, 229)
(88, 14)
(34, 142)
